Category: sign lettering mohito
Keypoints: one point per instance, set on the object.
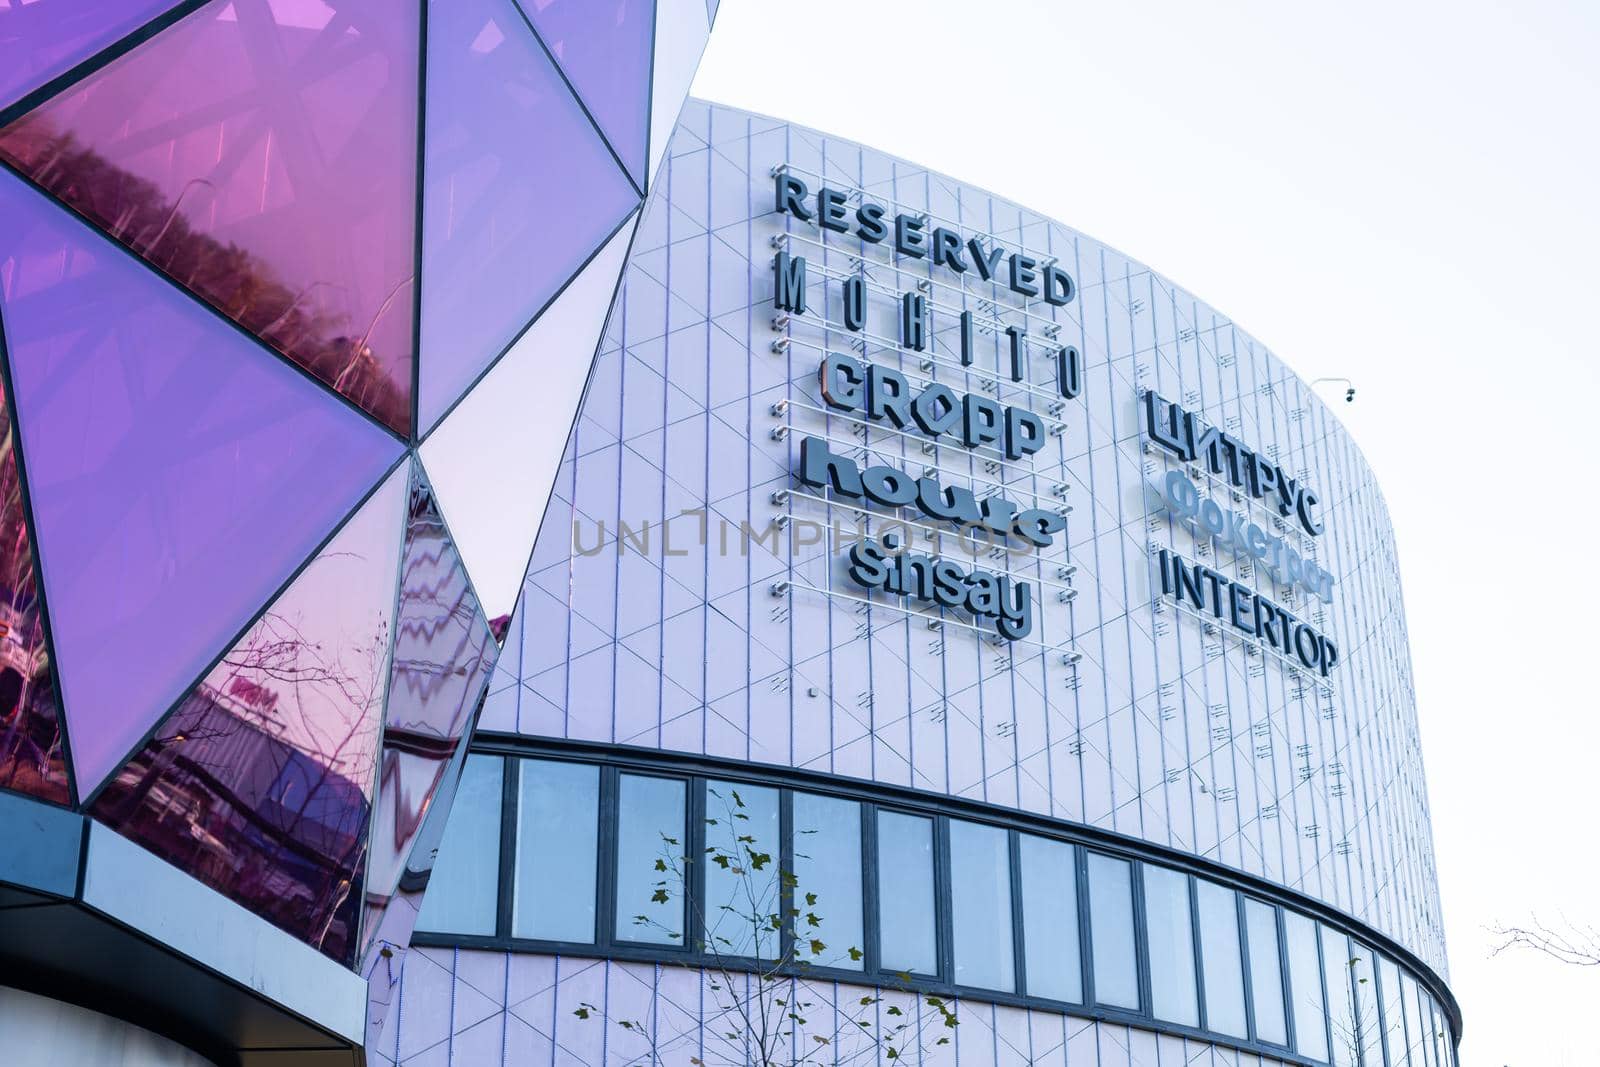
(874, 393)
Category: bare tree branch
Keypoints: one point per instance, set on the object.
(1566, 942)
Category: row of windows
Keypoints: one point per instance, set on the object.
(573, 856)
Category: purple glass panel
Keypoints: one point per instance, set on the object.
(178, 474)
(30, 721)
(260, 784)
(518, 192)
(45, 38)
(263, 153)
(604, 50)
(443, 655)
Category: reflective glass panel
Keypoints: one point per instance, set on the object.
(1394, 1026)
(464, 887)
(1368, 1021)
(1173, 995)
(46, 38)
(1412, 1021)
(980, 905)
(651, 820)
(263, 154)
(744, 906)
(443, 653)
(1426, 1053)
(1219, 958)
(518, 191)
(1336, 969)
(1305, 986)
(1266, 972)
(260, 784)
(1440, 1038)
(161, 449)
(906, 940)
(30, 720)
(604, 49)
(558, 833)
(1116, 974)
(827, 869)
(1051, 949)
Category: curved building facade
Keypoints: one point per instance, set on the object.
(948, 640)
(503, 566)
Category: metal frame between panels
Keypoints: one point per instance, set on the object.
(613, 762)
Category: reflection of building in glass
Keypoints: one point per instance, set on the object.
(397, 426)
(271, 271)
(217, 794)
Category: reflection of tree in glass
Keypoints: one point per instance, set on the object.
(30, 732)
(258, 784)
(135, 212)
(758, 946)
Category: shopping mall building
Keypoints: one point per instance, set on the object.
(505, 564)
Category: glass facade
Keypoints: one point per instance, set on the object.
(268, 563)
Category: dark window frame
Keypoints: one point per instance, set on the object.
(697, 772)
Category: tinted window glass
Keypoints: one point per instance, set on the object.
(650, 835)
(464, 886)
(1050, 920)
(1266, 971)
(1305, 986)
(1219, 955)
(558, 819)
(1425, 1054)
(827, 868)
(1116, 976)
(980, 906)
(905, 894)
(1412, 1022)
(1336, 969)
(1171, 935)
(1368, 1022)
(1394, 1025)
(742, 853)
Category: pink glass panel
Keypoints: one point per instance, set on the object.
(30, 721)
(443, 655)
(260, 784)
(518, 192)
(604, 50)
(262, 153)
(40, 39)
(178, 474)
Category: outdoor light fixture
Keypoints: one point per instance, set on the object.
(1350, 389)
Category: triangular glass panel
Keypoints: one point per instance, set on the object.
(46, 38)
(682, 27)
(263, 154)
(31, 758)
(444, 652)
(518, 192)
(522, 412)
(177, 472)
(260, 783)
(604, 50)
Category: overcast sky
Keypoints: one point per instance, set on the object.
(1404, 193)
